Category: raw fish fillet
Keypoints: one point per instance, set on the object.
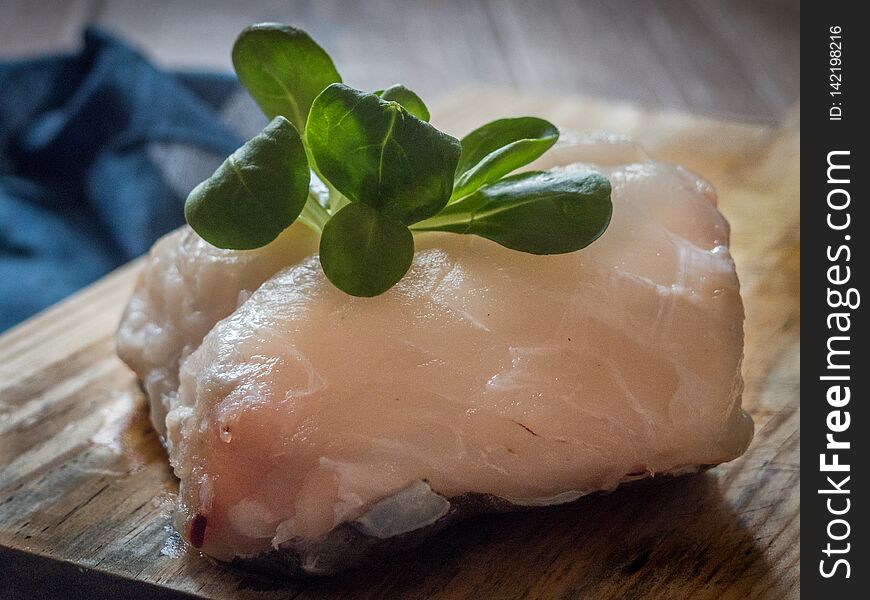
(187, 286)
(312, 429)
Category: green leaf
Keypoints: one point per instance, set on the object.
(540, 212)
(363, 252)
(255, 194)
(499, 147)
(374, 151)
(411, 101)
(283, 69)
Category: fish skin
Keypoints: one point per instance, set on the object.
(348, 546)
(484, 371)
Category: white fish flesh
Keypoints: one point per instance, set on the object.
(186, 287)
(527, 380)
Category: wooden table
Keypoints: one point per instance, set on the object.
(734, 59)
(85, 490)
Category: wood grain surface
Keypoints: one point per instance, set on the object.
(85, 489)
(732, 59)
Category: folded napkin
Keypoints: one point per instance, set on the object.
(97, 152)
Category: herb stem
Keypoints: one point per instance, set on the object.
(313, 215)
(336, 199)
(441, 221)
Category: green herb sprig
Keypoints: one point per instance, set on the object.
(388, 172)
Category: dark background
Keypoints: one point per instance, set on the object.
(736, 59)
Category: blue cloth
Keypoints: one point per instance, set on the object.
(97, 152)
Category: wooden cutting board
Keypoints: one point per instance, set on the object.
(85, 489)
